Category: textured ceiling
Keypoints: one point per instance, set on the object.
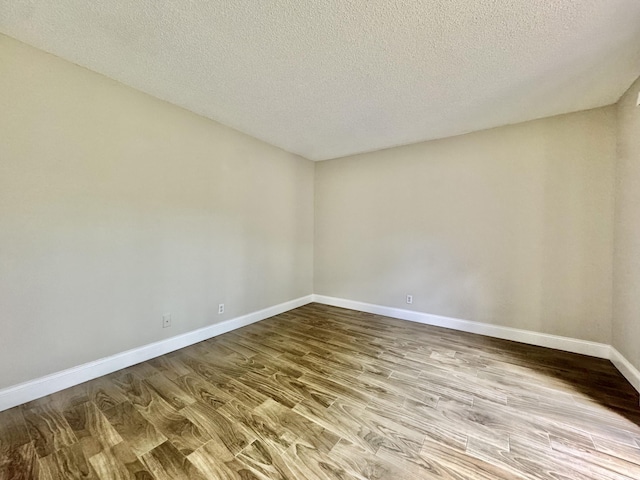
(328, 78)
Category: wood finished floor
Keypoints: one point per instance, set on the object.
(327, 393)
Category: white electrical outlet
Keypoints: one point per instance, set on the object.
(409, 298)
(166, 320)
(221, 308)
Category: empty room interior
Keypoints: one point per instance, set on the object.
(320, 239)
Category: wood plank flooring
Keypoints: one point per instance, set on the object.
(325, 393)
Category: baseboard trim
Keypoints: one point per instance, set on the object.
(40, 387)
(567, 344)
(625, 367)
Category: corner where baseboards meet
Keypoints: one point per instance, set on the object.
(40, 387)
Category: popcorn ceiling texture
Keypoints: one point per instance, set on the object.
(330, 78)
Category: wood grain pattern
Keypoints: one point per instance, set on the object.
(13, 431)
(140, 435)
(91, 428)
(48, 429)
(21, 462)
(119, 462)
(324, 393)
(166, 462)
(68, 462)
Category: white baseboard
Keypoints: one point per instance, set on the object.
(27, 391)
(625, 367)
(567, 344)
(40, 387)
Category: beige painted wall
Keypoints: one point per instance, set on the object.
(511, 226)
(116, 207)
(626, 294)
